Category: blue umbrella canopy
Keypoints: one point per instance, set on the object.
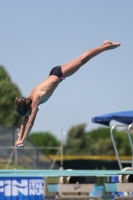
(125, 117)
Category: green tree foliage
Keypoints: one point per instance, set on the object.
(44, 139)
(95, 142)
(76, 142)
(8, 92)
(80, 142)
(101, 143)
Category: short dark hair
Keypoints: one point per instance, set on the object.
(22, 105)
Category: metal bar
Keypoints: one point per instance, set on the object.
(28, 147)
(113, 141)
(78, 197)
(104, 196)
(129, 136)
(16, 152)
(10, 159)
(53, 163)
(131, 142)
(61, 151)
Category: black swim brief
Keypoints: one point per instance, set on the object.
(56, 71)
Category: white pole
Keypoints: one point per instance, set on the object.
(63, 132)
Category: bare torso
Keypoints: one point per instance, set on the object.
(45, 89)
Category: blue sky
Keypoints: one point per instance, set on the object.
(35, 36)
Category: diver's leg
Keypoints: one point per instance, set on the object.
(71, 67)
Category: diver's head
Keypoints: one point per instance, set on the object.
(22, 105)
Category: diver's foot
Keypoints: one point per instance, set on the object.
(110, 45)
(19, 144)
